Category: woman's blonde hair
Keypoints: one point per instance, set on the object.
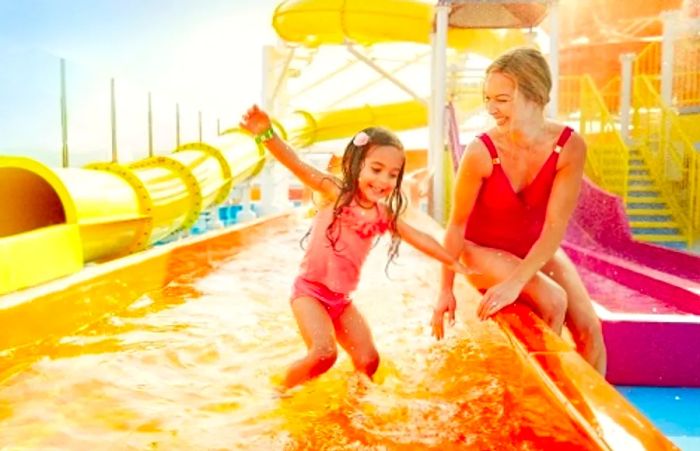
(530, 71)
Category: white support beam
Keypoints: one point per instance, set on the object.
(329, 76)
(384, 73)
(272, 75)
(354, 92)
(436, 120)
(626, 62)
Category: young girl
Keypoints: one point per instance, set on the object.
(364, 204)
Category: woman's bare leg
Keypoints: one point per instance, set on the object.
(316, 329)
(581, 319)
(356, 338)
(494, 266)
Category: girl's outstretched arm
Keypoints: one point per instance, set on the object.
(429, 246)
(258, 123)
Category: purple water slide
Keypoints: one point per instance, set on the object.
(647, 296)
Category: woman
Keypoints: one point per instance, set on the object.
(516, 188)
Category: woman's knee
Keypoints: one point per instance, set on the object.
(553, 304)
(586, 329)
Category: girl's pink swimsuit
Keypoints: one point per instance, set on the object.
(330, 274)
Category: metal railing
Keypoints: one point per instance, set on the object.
(608, 154)
(669, 153)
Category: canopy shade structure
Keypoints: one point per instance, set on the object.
(497, 14)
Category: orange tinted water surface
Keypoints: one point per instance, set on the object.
(192, 366)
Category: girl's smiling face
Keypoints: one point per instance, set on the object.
(380, 173)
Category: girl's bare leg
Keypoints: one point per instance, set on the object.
(316, 328)
(355, 337)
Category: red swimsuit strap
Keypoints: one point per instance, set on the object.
(486, 139)
(563, 138)
(488, 142)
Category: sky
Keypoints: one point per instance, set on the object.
(206, 49)
(205, 54)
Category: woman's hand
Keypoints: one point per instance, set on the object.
(255, 120)
(497, 297)
(446, 304)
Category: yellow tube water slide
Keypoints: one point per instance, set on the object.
(55, 219)
(323, 22)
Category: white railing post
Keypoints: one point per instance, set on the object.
(553, 107)
(626, 62)
(670, 22)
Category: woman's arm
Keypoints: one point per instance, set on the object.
(474, 167)
(257, 122)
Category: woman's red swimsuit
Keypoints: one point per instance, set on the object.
(504, 219)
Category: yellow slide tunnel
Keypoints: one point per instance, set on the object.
(54, 219)
(306, 128)
(323, 22)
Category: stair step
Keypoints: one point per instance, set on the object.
(649, 225)
(637, 171)
(646, 206)
(661, 239)
(665, 231)
(647, 199)
(654, 217)
(639, 176)
(612, 170)
(679, 245)
(636, 162)
(642, 193)
(675, 243)
(640, 182)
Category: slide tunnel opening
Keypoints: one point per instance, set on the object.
(27, 202)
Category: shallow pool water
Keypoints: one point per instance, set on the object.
(193, 366)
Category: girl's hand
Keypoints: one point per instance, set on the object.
(255, 121)
(446, 304)
(497, 297)
(458, 267)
